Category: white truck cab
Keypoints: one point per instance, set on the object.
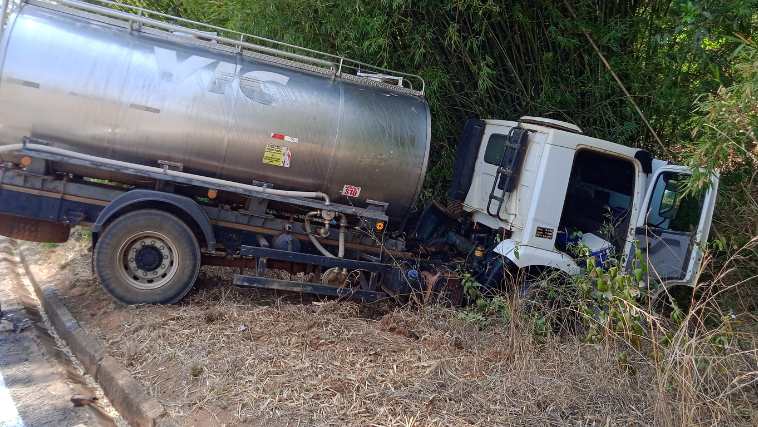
(547, 185)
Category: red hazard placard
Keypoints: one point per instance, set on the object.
(283, 137)
(351, 191)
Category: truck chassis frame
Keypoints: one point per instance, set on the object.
(30, 194)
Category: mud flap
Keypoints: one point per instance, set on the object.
(33, 230)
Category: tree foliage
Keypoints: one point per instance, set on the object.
(725, 127)
(724, 139)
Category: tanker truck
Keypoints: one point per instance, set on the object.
(181, 144)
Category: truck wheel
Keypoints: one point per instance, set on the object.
(147, 257)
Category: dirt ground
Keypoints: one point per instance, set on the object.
(245, 357)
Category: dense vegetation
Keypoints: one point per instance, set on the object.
(691, 67)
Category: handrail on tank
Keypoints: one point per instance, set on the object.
(88, 7)
(330, 63)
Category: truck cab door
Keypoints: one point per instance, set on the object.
(499, 167)
(673, 227)
(497, 140)
(487, 161)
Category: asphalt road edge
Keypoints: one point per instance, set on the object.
(124, 392)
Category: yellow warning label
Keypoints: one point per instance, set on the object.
(277, 155)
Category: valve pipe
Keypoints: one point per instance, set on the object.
(317, 244)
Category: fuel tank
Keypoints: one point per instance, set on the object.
(97, 86)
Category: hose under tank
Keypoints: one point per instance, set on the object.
(317, 244)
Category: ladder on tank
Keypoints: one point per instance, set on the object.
(508, 170)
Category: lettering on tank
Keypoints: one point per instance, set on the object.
(260, 86)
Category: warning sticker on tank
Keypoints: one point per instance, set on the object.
(351, 191)
(277, 155)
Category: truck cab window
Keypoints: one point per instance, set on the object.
(598, 200)
(671, 208)
(493, 154)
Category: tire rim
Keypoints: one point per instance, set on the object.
(147, 260)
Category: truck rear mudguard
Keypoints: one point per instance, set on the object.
(184, 207)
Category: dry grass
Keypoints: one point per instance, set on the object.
(709, 370)
(326, 364)
(234, 356)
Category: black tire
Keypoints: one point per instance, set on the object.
(150, 236)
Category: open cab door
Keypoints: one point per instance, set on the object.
(673, 227)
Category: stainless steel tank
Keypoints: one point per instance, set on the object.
(97, 88)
